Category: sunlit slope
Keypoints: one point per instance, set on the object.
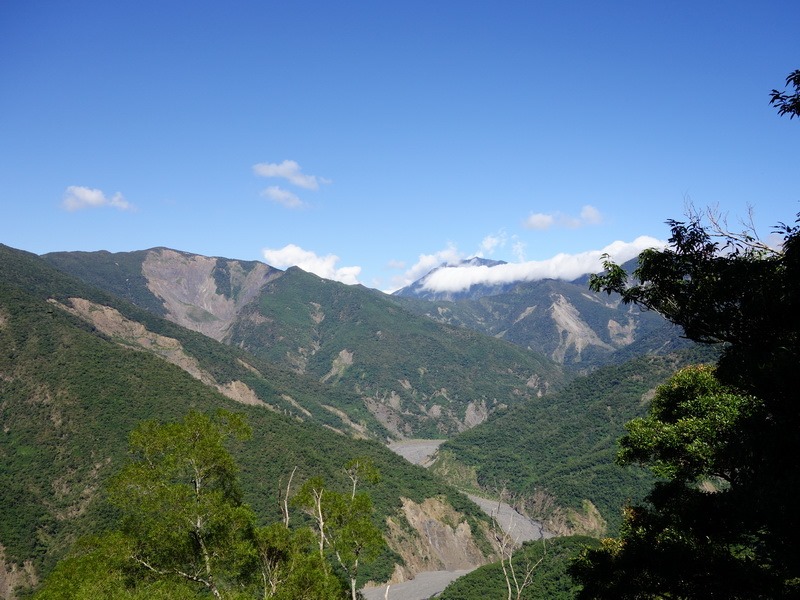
(557, 453)
(415, 377)
(70, 394)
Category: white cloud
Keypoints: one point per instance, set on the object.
(589, 215)
(77, 197)
(424, 265)
(491, 243)
(539, 221)
(324, 266)
(427, 262)
(281, 196)
(290, 171)
(561, 266)
(518, 249)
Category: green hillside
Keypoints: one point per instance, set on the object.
(119, 273)
(558, 452)
(291, 393)
(435, 372)
(69, 396)
(417, 377)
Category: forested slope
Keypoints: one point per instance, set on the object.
(70, 395)
(558, 452)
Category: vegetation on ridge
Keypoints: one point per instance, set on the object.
(724, 521)
(69, 396)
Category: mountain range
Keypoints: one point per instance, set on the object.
(93, 342)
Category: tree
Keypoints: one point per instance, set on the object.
(180, 500)
(289, 570)
(185, 531)
(788, 104)
(726, 440)
(344, 521)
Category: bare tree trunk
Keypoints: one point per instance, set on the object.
(285, 499)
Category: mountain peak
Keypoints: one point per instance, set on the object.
(418, 289)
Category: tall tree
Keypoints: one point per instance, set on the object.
(723, 522)
(185, 532)
(343, 521)
(181, 503)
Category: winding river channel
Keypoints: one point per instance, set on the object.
(428, 584)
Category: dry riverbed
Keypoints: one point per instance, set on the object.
(428, 584)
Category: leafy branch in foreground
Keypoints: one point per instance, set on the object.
(788, 104)
(724, 521)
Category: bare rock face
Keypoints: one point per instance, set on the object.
(622, 334)
(14, 576)
(135, 335)
(440, 540)
(188, 287)
(574, 332)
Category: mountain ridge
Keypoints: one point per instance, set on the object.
(72, 388)
(562, 319)
(347, 337)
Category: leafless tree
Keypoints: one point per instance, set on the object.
(508, 543)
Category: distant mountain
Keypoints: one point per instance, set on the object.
(80, 368)
(419, 288)
(562, 319)
(416, 377)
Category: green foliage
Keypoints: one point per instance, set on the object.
(724, 523)
(344, 521)
(185, 531)
(549, 580)
(788, 104)
(180, 500)
(690, 432)
(290, 569)
(70, 397)
(99, 568)
(564, 444)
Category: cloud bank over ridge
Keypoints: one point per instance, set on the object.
(292, 255)
(455, 278)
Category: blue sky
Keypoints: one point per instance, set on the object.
(369, 141)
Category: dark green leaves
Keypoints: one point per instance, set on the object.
(788, 104)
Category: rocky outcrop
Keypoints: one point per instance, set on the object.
(189, 286)
(432, 536)
(135, 335)
(574, 332)
(14, 576)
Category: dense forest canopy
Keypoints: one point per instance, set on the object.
(723, 521)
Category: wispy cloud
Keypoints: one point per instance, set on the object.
(589, 215)
(77, 197)
(492, 242)
(426, 263)
(324, 266)
(561, 266)
(282, 196)
(291, 171)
